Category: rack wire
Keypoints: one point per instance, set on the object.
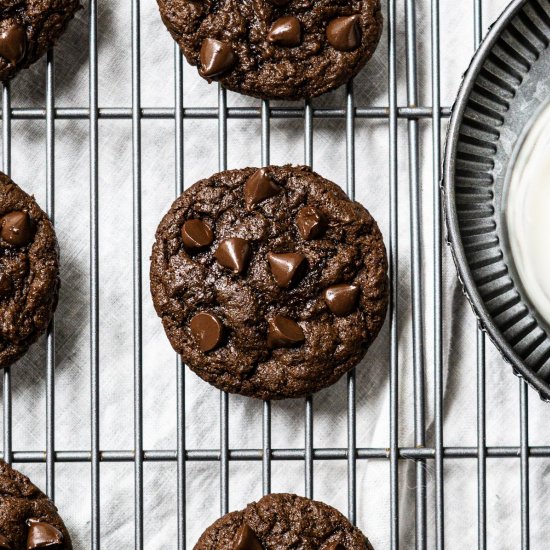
(412, 113)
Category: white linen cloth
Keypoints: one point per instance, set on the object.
(72, 378)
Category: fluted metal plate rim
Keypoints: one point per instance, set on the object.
(454, 222)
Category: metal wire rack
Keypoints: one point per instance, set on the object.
(421, 454)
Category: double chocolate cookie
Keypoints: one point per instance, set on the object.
(275, 49)
(28, 28)
(283, 521)
(28, 518)
(29, 271)
(270, 283)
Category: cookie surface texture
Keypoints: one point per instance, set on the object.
(271, 49)
(29, 271)
(269, 282)
(279, 521)
(28, 518)
(28, 29)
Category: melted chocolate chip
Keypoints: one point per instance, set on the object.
(335, 546)
(280, 2)
(43, 535)
(233, 254)
(286, 31)
(342, 299)
(246, 539)
(5, 544)
(284, 333)
(207, 330)
(286, 268)
(196, 234)
(311, 223)
(216, 57)
(16, 228)
(13, 43)
(259, 187)
(344, 33)
(5, 283)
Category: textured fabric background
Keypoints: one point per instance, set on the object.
(72, 382)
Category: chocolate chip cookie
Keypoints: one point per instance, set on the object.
(269, 282)
(29, 271)
(275, 49)
(283, 521)
(28, 28)
(28, 518)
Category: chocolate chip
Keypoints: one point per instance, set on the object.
(16, 228)
(342, 299)
(284, 333)
(280, 2)
(311, 223)
(43, 535)
(233, 254)
(286, 31)
(207, 330)
(335, 546)
(5, 283)
(344, 33)
(13, 43)
(259, 187)
(246, 539)
(216, 57)
(286, 267)
(196, 234)
(5, 544)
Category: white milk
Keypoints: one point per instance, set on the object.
(528, 214)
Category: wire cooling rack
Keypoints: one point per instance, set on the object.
(413, 114)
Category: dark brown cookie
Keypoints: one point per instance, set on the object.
(28, 28)
(270, 283)
(28, 518)
(276, 49)
(283, 521)
(29, 271)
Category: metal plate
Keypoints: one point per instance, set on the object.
(506, 84)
